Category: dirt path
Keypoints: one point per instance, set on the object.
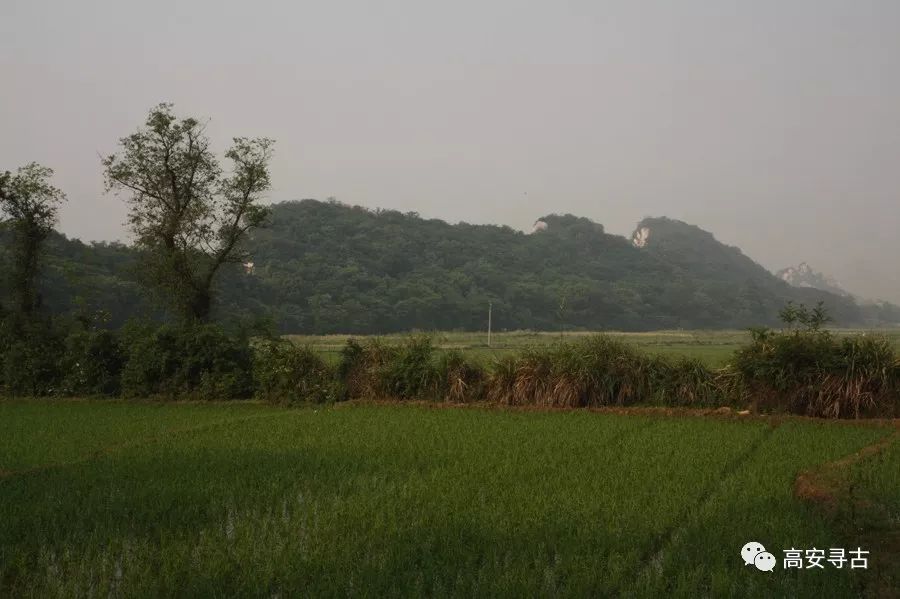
(861, 520)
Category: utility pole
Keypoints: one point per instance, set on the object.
(490, 309)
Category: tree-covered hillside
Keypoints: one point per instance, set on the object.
(327, 267)
(324, 267)
(83, 279)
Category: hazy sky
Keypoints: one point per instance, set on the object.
(775, 124)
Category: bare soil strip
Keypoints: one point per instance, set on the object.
(724, 412)
(830, 490)
(822, 485)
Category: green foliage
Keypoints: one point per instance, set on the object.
(187, 217)
(809, 371)
(30, 205)
(92, 363)
(77, 277)
(799, 370)
(811, 319)
(189, 362)
(285, 373)
(805, 370)
(30, 356)
(361, 368)
(410, 372)
(600, 371)
(323, 267)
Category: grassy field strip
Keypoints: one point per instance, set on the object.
(414, 501)
(111, 449)
(652, 564)
(53, 434)
(397, 507)
(757, 503)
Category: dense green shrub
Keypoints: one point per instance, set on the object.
(809, 371)
(30, 356)
(410, 372)
(191, 362)
(285, 373)
(92, 363)
(801, 369)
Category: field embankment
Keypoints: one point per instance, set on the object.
(859, 498)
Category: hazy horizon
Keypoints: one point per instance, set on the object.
(773, 125)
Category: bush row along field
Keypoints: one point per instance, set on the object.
(713, 348)
(802, 371)
(134, 499)
(796, 370)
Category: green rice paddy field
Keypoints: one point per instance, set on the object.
(111, 498)
(713, 347)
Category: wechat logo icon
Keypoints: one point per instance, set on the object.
(755, 554)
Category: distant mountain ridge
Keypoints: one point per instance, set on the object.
(326, 267)
(803, 275)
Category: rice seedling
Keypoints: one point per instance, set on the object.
(255, 500)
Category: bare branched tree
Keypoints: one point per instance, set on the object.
(28, 206)
(188, 216)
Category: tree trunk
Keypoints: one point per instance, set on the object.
(199, 306)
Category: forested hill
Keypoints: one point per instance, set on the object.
(327, 267)
(324, 267)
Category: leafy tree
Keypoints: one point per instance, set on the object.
(188, 217)
(812, 319)
(30, 205)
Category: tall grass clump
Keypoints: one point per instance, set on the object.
(410, 372)
(458, 379)
(599, 371)
(413, 369)
(285, 373)
(686, 382)
(361, 366)
(806, 370)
